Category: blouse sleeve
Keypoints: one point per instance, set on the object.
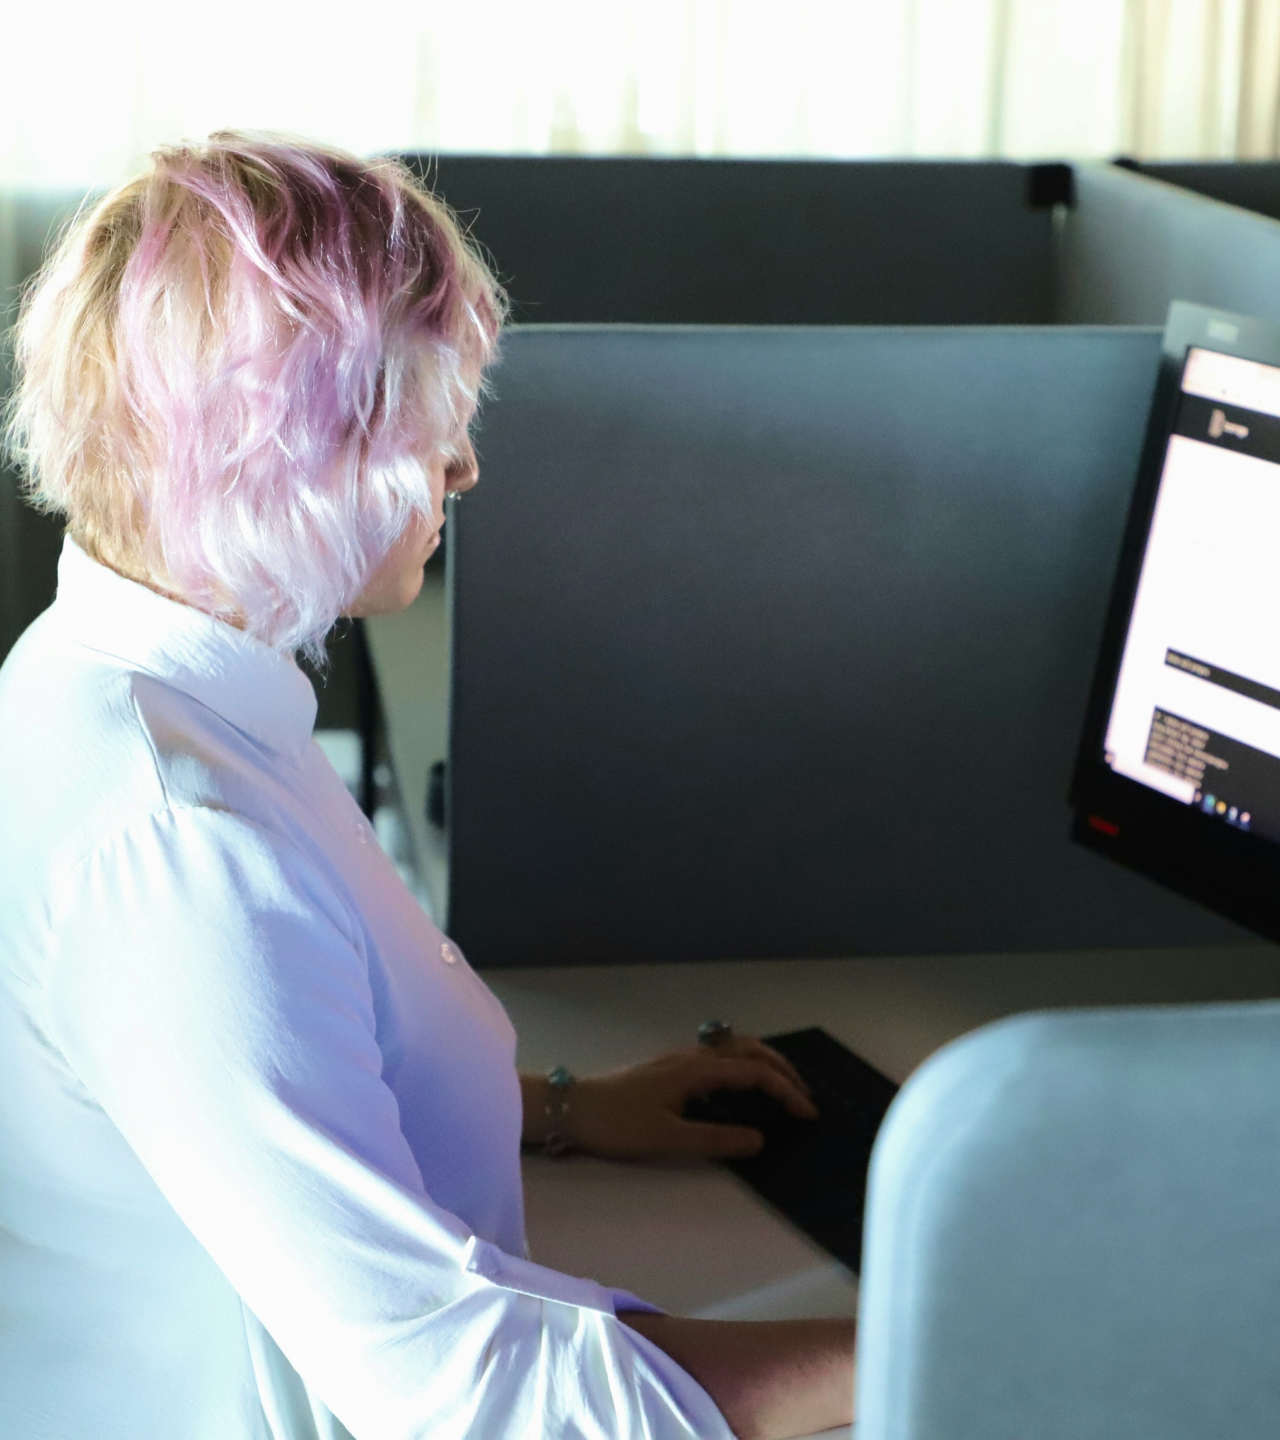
(209, 988)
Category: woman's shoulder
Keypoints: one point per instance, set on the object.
(73, 751)
(91, 746)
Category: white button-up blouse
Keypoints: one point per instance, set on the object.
(259, 1122)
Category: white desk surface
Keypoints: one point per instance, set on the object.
(690, 1237)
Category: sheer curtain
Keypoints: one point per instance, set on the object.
(90, 88)
(1200, 78)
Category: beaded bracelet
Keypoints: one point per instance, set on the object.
(559, 1082)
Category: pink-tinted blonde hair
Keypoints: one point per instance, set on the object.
(232, 372)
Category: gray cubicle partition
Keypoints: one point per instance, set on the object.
(838, 242)
(647, 240)
(654, 240)
(776, 643)
(1131, 244)
(761, 242)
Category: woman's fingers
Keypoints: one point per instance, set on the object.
(753, 1049)
(715, 1074)
(636, 1112)
(748, 1047)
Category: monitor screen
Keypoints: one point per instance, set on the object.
(1196, 711)
(1186, 709)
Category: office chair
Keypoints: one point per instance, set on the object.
(1073, 1233)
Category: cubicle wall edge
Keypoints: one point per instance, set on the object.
(1249, 184)
(776, 642)
(1133, 244)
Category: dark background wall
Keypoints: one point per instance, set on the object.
(758, 242)
(659, 241)
(29, 542)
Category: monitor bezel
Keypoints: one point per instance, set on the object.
(1233, 872)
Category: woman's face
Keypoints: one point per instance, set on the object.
(395, 584)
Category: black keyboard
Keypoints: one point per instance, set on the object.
(813, 1171)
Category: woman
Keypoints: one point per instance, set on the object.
(259, 1122)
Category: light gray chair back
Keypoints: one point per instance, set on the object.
(1073, 1233)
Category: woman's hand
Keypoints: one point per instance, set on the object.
(636, 1113)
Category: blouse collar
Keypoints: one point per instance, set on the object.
(257, 689)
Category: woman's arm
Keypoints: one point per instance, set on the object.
(772, 1379)
(206, 987)
(636, 1113)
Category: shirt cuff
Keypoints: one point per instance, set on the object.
(525, 1278)
(625, 1300)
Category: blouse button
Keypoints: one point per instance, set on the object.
(448, 954)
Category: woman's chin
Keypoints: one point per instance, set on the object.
(403, 595)
(388, 599)
(414, 588)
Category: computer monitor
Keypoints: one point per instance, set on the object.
(1178, 774)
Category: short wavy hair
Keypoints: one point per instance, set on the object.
(232, 373)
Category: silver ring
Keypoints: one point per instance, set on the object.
(713, 1033)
